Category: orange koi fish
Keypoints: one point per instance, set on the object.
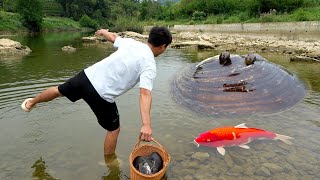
(239, 135)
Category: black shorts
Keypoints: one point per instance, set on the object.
(79, 87)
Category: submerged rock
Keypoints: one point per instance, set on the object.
(193, 44)
(200, 155)
(68, 49)
(305, 58)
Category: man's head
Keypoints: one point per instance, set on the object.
(159, 38)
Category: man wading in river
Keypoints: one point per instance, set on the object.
(99, 84)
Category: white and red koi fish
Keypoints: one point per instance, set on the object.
(239, 135)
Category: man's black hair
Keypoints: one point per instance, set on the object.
(159, 36)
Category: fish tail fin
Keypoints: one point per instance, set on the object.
(284, 138)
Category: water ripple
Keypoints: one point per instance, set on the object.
(12, 94)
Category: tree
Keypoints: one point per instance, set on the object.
(150, 9)
(31, 14)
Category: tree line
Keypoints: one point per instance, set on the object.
(116, 13)
(251, 7)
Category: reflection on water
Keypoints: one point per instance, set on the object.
(70, 140)
(40, 170)
(113, 165)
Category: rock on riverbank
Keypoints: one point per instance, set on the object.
(12, 48)
(305, 50)
(298, 50)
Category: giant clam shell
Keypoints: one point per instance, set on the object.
(263, 87)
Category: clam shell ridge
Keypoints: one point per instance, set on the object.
(210, 88)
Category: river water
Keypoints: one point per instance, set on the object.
(62, 140)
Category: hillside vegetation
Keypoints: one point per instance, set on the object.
(11, 22)
(122, 15)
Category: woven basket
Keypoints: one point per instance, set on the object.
(145, 150)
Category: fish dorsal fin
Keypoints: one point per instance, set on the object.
(221, 150)
(243, 125)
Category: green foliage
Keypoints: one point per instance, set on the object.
(192, 22)
(51, 8)
(9, 5)
(251, 8)
(311, 14)
(31, 14)
(122, 15)
(266, 18)
(86, 21)
(10, 22)
(150, 10)
(232, 19)
(199, 15)
(301, 15)
(77, 8)
(60, 24)
(128, 24)
(219, 20)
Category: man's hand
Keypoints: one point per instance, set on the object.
(109, 36)
(146, 133)
(101, 32)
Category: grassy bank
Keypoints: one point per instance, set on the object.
(60, 24)
(305, 14)
(10, 22)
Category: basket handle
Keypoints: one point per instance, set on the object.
(139, 141)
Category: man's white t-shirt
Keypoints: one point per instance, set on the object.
(123, 69)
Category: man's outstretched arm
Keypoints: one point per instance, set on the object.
(145, 106)
(109, 36)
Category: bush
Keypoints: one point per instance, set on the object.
(198, 15)
(86, 21)
(10, 22)
(219, 20)
(232, 19)
(300, 15)
(31, 14)
(9, 5)
(191, 22)
(266, 18)
(127, 24)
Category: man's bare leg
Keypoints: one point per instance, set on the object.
(45, 96)
(110, 142)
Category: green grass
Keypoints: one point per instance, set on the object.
(59, 24)
(11, 22)
(305, 14)
(127, 24)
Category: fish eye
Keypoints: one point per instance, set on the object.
(208, 140)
